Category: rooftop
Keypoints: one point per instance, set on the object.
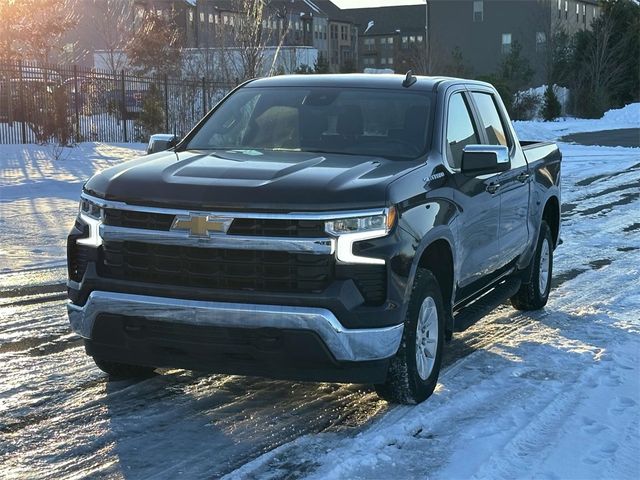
(354, 80)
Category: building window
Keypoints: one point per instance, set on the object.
(412, 39)
(390, 60)
(541, 41)
(577, 12)
(584, 14)
(506, 42)
(211, 18)
(201, 17)
(566, 9)
(559, 8)
(190, 16)
(369, 44)
(390, 40)
(383, 41)
(419, 38)
(478, 11)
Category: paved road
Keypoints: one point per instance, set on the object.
(627, 137)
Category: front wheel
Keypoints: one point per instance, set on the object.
(534, 294)
(413, 372)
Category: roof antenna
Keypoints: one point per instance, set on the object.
(409, 79)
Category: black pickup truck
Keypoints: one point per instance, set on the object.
(317, 227)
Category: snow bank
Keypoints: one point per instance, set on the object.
(39, 198)
(626, 117)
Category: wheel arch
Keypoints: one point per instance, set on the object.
(551, 215)
(437, 255)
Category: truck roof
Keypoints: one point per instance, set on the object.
(358, 80)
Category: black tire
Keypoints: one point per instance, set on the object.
(531, 296)
(404, 383)
(117, 370)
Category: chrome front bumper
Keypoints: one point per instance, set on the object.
(345, 344)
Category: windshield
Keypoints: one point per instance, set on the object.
(386, 123)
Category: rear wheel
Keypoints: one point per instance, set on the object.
(413, 372)
(122, 370)
(534, 294)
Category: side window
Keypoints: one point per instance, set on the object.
(460, 130)
(491, 120)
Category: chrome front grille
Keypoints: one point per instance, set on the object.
(260, 227)
(262, 252)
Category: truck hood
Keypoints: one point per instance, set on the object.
(249, 179)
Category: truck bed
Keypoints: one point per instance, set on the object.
(535, 151)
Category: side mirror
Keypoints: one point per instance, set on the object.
(161, 142)
(485, 159)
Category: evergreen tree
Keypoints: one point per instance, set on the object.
(514, 69)
(321, 65)
(156, 47)
(457, 66)
(551, 108)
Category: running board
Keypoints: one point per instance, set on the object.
(473, 312)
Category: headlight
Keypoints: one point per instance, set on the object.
(91, 214)
(356, 229)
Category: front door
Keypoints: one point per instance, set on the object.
(514, 184)
(477, 200)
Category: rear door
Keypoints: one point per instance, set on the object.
(476, 199)
(513, 189)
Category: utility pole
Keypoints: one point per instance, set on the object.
(427, 43)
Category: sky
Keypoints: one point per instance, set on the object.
(374, 3)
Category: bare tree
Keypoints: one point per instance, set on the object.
(244, 40)
(249, 37)
(114, 24)
(11, 13)
(42, 27)
(602, 63)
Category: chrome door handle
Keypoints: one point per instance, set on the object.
(493, 188)
(523, 177)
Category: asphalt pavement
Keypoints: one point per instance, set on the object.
(627, 137)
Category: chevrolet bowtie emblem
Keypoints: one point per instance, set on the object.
(201, 225)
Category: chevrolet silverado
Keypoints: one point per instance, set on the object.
(317, 227)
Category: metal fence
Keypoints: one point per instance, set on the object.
(67, 104)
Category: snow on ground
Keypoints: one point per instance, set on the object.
(556, 398)
(39, 197)
(549, 394)
(626, 117)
